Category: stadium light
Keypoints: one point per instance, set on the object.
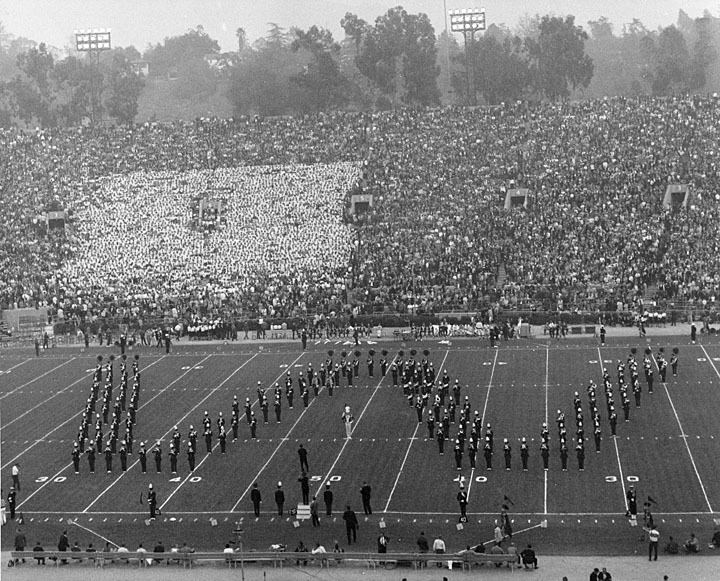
(468, 21)
(93, 42)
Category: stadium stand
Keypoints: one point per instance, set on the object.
(437, 237)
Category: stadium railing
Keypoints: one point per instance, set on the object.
(464, 561)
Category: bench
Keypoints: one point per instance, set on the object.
(470, 559)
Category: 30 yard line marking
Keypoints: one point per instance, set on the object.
(407, 452)
(197, 405)
(482, 418)
(282, 441)
(44, 484)
(3, 396)
(685, 440)
(71, 418)
(547, 376)
(617, 449)
(347, 440)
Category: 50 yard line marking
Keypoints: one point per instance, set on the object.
(407, 452)
(684, 438)
(617, 449)
(347, 440)
(482, 419)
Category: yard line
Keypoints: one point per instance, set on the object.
(71, 418)
(3, 396)
(684, 439)
(482, 418)
(347, 440)
(114, 482)
(16, 366)
(617, 449)
(407, 452)
(547, 375)
(282, 441)
(710, 361)
(141, 407)
(191, 474)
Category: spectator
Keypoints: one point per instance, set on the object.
(76, 549)
(230, 554)
(63, 545)
(38, 548)
(91, 549)
(604, 575)
(692, 545)
(715, 541)
(20, 543)
(159, 548)
(529, 558)
(439, 548)
(301, 548)
(143, 561)
(123, 551)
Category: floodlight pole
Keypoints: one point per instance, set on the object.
(468, 21)
(93, 42)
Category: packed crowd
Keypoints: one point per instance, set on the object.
(436, 238)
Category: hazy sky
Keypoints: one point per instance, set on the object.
(141, 22)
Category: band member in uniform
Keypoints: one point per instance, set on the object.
(157, 453)
(524, 454)
(91, 457)
(142, 453)
(76, 457)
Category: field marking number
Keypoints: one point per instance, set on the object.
(628, 478)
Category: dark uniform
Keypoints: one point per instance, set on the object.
(302, 454)
(91, 457)
(488, 453)
(157, 452)
(108, 459)
(580, 451)
(76, 458)
(12, 501)
(222, 439)
(173, 459)
(123, 458)
(304, 488)
(143, 457)
(462, 501)
(191, 456)
(507, 452)
(278, 409)
(152, 501)
(524, 454)
(365, 494)
(256, 498)
(545, 453)
(328, 498)
(563, 456)
(280, 499)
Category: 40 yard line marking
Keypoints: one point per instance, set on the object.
(407, 452)
(685, 440)
(197, 405)
(482, 418)
(617, 449)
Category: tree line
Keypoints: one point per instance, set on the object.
(395, 61)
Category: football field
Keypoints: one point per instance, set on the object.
(669, 449)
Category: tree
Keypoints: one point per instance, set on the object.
(704, 54)
(321, 84)
(398, 54)
(558, 56)
(74, 80)
(242, 39)
(124, 88)
(32, 90)
(672, 62)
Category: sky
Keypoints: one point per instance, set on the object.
(143, 22)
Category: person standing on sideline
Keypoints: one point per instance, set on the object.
(462, 500)
(348, 420)
(280, 498)
(314, 512)
(304, 488)
(256, 498)
(15, 472)
(366, 493)
(328, 498)
(351, 524)
(654, 538)
(152, 501)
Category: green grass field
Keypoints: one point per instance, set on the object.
(669, 449)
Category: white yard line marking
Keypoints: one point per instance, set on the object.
(482, 417)
(282, 441)
(710, 361)
(217, 444)
(617, 449)
(407, 452)
(685, 440)
(44, 484)
(197, 405)
(3, 396)
(71, 418)
(347, 440)
(9, 369)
